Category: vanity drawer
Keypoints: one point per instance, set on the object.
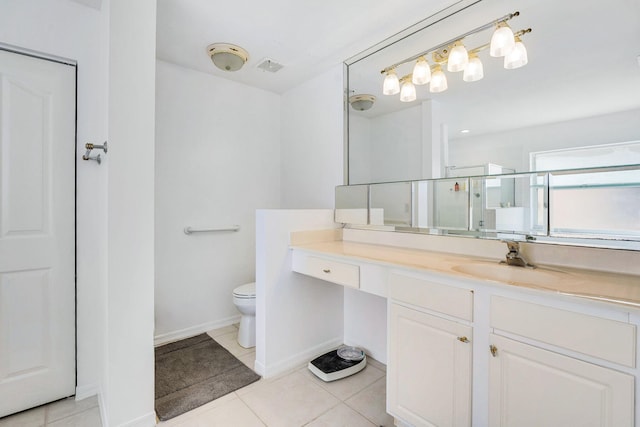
(594, 336)
(327, 269)
(433, 296)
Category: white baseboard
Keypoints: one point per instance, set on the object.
(146, 420)
(103, 407)
(85, 391)
(295, 361)
(194, 330)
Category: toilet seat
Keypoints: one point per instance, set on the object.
(247, 291)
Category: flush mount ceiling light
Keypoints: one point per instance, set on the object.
(456, 57)
(227, 57)
(362, 102)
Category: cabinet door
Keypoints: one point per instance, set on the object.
(429, 369)
(534, 387)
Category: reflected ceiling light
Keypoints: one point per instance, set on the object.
(502, 41)
(438, 81)
(227, 57)
(362, 102)
(421, 72)
(455, 55)
(517, 57)
(474, 70)
(391, 84)
(408, 91)
(458, 57)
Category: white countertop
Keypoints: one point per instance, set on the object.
(603, 286)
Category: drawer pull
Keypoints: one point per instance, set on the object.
(494, 350)
(463, 339)
(326, 270)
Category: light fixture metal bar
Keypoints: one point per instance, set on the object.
(447, 43)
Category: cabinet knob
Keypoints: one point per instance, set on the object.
(326, 270)
(494, 350)
(463, 339)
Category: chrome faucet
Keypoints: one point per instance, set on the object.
(513, 256)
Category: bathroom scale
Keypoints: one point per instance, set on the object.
(337, 364)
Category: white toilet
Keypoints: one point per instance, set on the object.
(244, 297)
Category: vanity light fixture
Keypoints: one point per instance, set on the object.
(362, 102)
(391, 84)
(438, 80)
(421, 72)
(502, 41)
(457, 57)
(227, 57)
(408, 91)
(517, 57)
(474, 70)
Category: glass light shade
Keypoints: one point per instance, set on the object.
(502, 41)
(517, 57)
(421, 72)
(408, 92)
(391, 84)
(474, 70)
(227, 57)
(438, 81)
(458, 58)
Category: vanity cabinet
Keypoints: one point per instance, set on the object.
(429, 356)
(524, 357)
(532, 386)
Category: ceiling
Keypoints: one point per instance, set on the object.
(574, 44)
(306, 37)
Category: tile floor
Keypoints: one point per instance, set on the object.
(63, 413)
(294, 399)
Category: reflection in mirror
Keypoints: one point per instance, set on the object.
(352, 204)
(594, 206)
(510, 204)
(451, 200)
(561, 99)
(611, 199)
(391, 204)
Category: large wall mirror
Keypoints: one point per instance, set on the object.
(574, 104)
(580, 87)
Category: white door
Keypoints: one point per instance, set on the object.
(429, 369)
(531, 387)
(37, 231)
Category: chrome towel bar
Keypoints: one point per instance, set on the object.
(189, 230)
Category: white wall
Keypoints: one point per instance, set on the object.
(511, 149)
(217, 161)
(68, 29)
(297, 317)
(129, 380)
(312, 147)
(396, 145)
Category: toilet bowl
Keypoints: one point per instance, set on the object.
(244, 298)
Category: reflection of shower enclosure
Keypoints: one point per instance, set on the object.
(451, 200)
(486, 196)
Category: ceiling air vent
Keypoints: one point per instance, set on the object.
(269, 65)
